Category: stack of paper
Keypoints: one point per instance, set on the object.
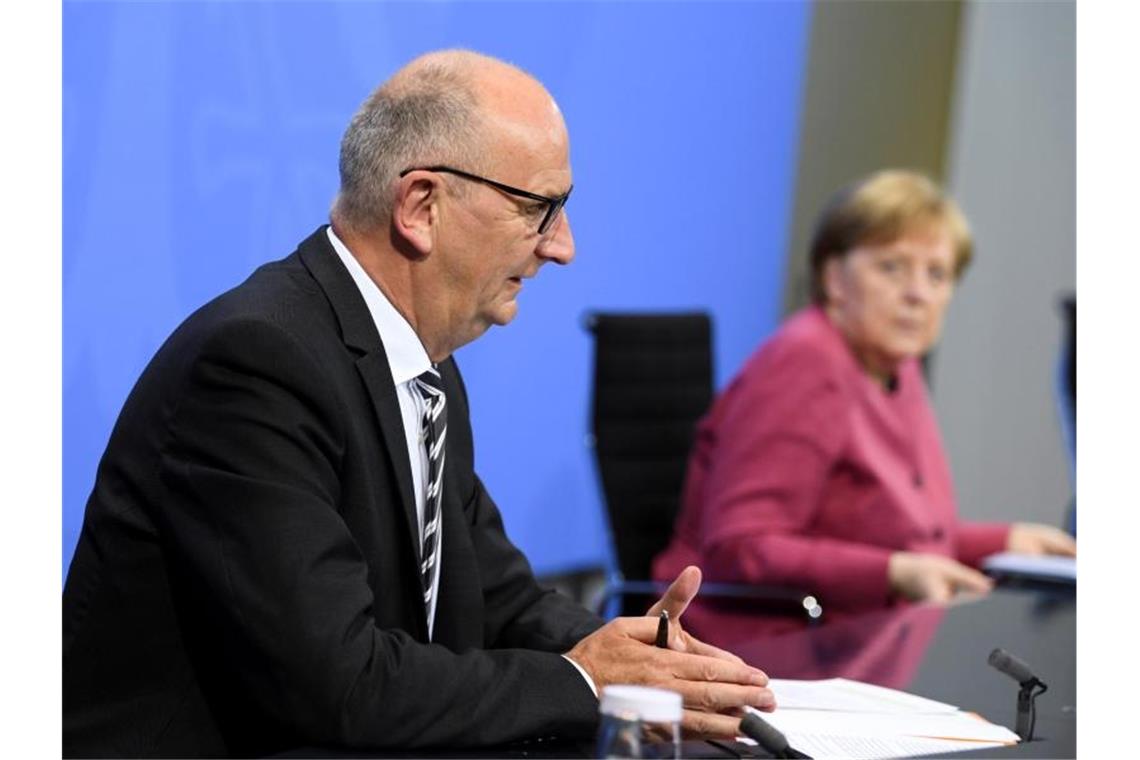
(849, 719)
(1041, 568)
(844, 695)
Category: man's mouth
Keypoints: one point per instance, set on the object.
(518, 278)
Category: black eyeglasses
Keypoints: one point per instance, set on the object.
(553, 205)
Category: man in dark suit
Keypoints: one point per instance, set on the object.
(287, 543)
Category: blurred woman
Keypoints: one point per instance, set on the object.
(821, 466)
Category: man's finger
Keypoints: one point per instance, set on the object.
(643, 629)
(702, 725)
(695, 667)
(720, 697)
(677, 597)
(696, 646)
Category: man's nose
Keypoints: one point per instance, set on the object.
(557, 244)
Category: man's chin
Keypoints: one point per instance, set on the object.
(505, 313)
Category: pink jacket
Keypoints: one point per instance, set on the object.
(807, 473)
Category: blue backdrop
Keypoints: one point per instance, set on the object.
(200, 140)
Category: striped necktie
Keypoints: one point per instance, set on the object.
(433, 426)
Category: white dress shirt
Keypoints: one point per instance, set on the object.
(407, 359)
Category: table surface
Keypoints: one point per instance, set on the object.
(934, 651)
(941, 653)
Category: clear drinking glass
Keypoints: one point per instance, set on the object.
(639, 722)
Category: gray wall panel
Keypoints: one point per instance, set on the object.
(879, 87)
(1012, 166)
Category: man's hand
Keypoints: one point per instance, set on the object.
(1035, 538)
(932, 577)
(714, 685)
(676, 600)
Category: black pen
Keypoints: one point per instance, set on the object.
(663, 630)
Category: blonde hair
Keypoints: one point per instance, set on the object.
(880, 209)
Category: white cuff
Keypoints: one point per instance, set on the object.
(589, 681)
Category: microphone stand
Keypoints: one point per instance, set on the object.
(769, 738)
(1006, 663)
(1027, 707)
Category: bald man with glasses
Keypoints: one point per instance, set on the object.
(287, 544)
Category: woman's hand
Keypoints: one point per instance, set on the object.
(932, 577)
(1035, 538)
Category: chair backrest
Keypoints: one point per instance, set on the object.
(652, 382)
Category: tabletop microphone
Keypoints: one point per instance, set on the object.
(770, 739)
(1031, 688)
(1013, 667)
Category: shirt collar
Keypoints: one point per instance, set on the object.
(406, 355)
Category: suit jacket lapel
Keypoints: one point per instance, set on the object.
(458, 589)
(377, 376)
(359, 333)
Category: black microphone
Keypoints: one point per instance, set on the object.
(770, 739)
(1013, 667)
(1031, 688)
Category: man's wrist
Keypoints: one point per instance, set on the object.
(585, 675)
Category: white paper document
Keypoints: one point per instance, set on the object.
(824, 747)
(1044, 567)
(851, 696)
(838, 717)
(956, 725)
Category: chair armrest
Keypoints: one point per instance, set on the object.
(782, 599)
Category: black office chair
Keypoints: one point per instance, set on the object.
(652, 383)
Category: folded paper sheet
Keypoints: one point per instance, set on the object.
(838, 717)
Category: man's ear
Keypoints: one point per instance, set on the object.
(414, 212)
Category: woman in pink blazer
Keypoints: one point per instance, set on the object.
(821, 466)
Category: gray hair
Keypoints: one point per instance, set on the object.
(426, 116)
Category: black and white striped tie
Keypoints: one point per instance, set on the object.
(433, 426)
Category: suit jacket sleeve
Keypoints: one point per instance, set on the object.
(519, 613)
(276, 591)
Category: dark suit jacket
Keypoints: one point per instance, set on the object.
(246, 579)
